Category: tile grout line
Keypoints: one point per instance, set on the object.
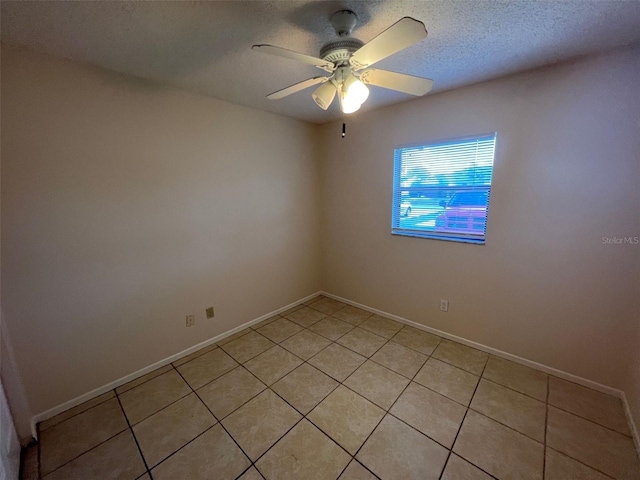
(581, 463)
(526, 395)
(250, 358)
(278, 440)
(352, 459)
(135, 439)
(211, 381)
(512, 389)
(499, 421)
(304, 416)
(394, 402)
(328, 295)
(464, 417)
(172, 366)
(444, 465)
(267, 387)
(167, 366)
(128, 427)
(231, 338)
(175, 368)
(302, 305)
(176, 451)
(175, 401)
(238, 365)
(219, 423)
(412, 379)
(537, 441)
(546, 402)
(276, 343)
(87, 451)
(75, 414)
(157, 411)
(338, 384)
(505, 425)
(84, 452)
(591, 421)
(363, 466)
(546, 426)
(211, 348)
(569, 456)
(388, 412)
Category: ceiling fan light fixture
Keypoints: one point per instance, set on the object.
(348, 104)
(348, 60)
(352, 94)
(357, 89)
(324, 95)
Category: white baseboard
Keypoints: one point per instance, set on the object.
(52, 412)
(494, 351)
(40, 417)
(508, 356)
(632, 425)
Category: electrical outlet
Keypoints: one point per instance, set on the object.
(444, 305)
(191, 320)
(209, 312)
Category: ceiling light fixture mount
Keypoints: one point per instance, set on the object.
(345, 57)
(343, 22)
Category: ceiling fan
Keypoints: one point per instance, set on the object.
(348, 59)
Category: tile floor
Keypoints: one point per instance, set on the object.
(327, 391)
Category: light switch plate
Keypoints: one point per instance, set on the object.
(444, 305)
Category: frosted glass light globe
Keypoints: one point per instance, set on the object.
(354, 93)
(358, 91)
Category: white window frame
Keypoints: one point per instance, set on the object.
(396, 229)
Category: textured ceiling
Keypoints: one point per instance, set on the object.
(205, 46)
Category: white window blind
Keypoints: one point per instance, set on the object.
(441, 190)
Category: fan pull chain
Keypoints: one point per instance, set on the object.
(344, 130)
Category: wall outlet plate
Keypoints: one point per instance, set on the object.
(444, 305)
(210, 313)
(191, 320)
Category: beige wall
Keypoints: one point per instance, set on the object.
(126, 206)
(10, 380)
(567, 170)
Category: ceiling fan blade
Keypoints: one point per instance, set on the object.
(296, 87)
(398, 36)
(290, 54)
(397, 81)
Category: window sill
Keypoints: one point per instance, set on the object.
(434, 236)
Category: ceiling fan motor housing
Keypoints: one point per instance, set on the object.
(339, 51)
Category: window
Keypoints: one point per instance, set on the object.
(442, 190)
